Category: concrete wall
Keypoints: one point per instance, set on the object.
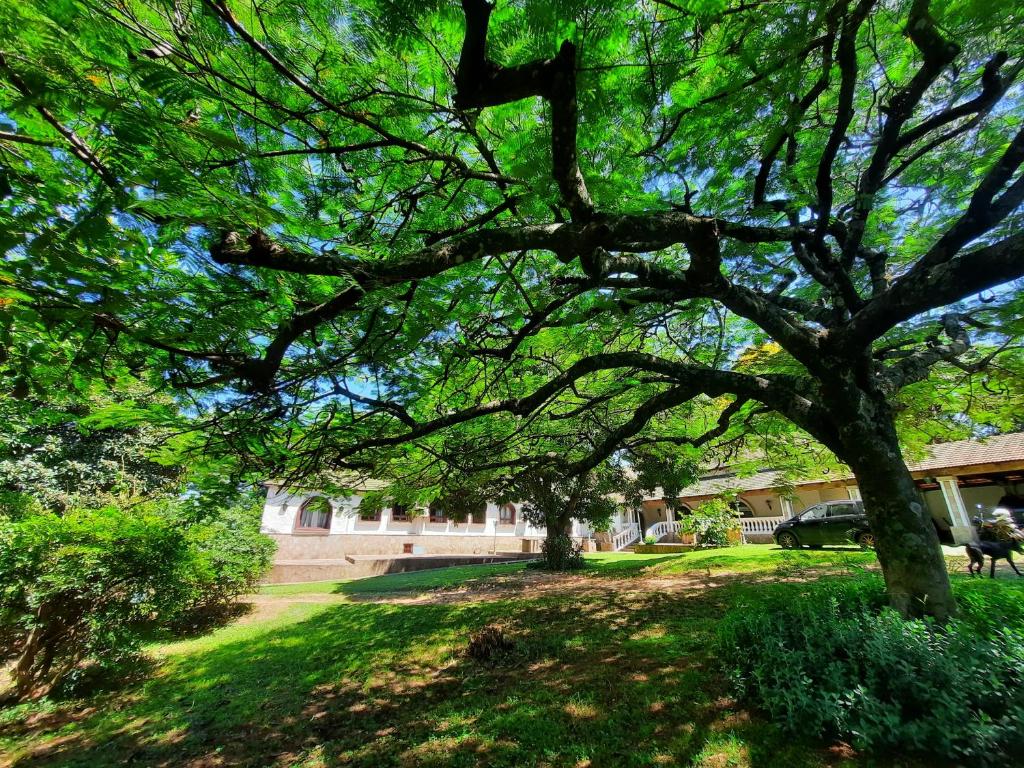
(338, 546)
(290, 572)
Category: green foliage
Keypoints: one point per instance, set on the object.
(833, 661)
(54, 452)
(231, 555)
(561, 553)
(553, 502)
(81, 589)
(84, 585)
(711, 522)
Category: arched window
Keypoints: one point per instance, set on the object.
(436, 513)
(314, 515)
(478, 514)
(400, 513)
(742, 508)
(507, 514)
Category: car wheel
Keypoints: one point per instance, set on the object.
(788, 541)
(866, 539)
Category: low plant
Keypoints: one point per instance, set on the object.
(561, 553)
(652, 539)
(711, 522)
(834, 661)
(490, 645)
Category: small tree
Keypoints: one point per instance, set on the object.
(555, 501)
(711, 522)
(83, 587)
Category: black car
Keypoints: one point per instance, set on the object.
(831, 522)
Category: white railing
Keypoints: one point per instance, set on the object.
(759, 525)
(662, 529)
(625, 537)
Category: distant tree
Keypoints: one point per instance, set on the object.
(347, 228)
(50, 452)
(554, 501)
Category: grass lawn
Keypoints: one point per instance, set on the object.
(613, 667)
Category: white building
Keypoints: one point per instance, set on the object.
(321, 537)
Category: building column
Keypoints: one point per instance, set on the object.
(853, 492)
(787, 507)
(963, 531)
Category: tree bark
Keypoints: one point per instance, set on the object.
(558, 542)
(905, 538)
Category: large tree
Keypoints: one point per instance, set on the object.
(367, 223)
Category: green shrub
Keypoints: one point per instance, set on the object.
(231, 555)
(80, 590)
(81, 586)
(710, 522)
(832, 660)
(561, 553)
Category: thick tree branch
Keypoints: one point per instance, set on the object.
(775, 391)
(929, 286)
(483, 83)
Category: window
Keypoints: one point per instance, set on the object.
(437, 515)
(369, 514)
(315, 515)
(400, 513)
(842, 510)
(816, 512)
(742, 508)
(479, 515)
(507, 514)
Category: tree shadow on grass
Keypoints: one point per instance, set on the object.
(625, 681)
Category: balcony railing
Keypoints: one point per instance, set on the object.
(759, 525)
(663, 529)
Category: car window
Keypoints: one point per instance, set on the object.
(842, 510)
(813, 513)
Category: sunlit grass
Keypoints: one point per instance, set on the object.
(334, 673)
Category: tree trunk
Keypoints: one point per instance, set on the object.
(905, 537)
(24, 673)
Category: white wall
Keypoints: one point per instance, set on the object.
(281, 508)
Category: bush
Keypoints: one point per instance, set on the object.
(561, 553)
(231, 556)
(711, 523)
(82, 589)
(80, 586)
(834, 661)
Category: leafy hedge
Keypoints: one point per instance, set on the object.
(831, 659)
(80, 590)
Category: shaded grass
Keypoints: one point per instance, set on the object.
(616, 679)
